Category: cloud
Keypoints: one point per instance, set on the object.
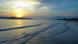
(53, 7)
(59, 7)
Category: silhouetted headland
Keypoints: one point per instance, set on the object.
(4, 17)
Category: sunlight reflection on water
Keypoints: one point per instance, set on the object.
(16, 23)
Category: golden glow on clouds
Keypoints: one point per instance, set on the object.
(23, 7)
(22, 13)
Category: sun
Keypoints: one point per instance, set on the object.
(19, 13)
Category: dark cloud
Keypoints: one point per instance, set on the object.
(63, 7)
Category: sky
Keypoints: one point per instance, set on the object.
(44, 8)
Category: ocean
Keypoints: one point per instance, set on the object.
(38, 31)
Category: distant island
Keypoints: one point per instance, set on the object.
(64, 17)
